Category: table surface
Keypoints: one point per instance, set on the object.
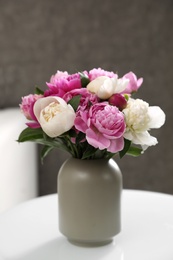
(30, 231)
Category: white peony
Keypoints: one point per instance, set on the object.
(104, 87)
(54, 115)
(140, 118)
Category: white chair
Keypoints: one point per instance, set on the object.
(18, 162)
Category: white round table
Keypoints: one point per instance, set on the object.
(30, 231)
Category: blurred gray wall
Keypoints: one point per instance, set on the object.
(37, 37)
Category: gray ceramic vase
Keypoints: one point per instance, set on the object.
(89, 194)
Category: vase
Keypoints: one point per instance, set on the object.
(89, 199)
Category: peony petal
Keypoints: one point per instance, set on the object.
(106, 90)
(134, 83)
(143, 138)
(96, 139)
(59, 124)
(116, 145)
(94, 85)
(121, 85)
(80, 124)
(128, 135)
(43, 102)
(139, 82)
(33, 124)
(157, 117)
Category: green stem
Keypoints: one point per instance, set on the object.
(72, 147)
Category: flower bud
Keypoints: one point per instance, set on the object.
(118, 100)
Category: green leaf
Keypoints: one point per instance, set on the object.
(109, 155)
(30, 134)
(45, 151)
(74, 102)
(89, 152)
(126, 97)
(134, 151)
(127, 144)
(84, 79)
(38, 91)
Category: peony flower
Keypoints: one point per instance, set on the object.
(27, 105)
(61, 83)
(140, 118)
(59, 75)
(95, 73)
(104, 87)
(133, 84)
(104, 127)
(54, 115)
(95, 111)
(86, 100)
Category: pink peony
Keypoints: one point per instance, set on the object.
(95, 73)
(133, 84)
(87, 98)
(57, 76)
(104, 127)
(27, 105)
(91, 114)
(62, 83)
(27, 109)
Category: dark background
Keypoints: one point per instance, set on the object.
(39, 37)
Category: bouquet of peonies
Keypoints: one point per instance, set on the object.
(91, 115)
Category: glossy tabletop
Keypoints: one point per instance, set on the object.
(30, 231)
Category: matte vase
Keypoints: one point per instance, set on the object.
(89, 194)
